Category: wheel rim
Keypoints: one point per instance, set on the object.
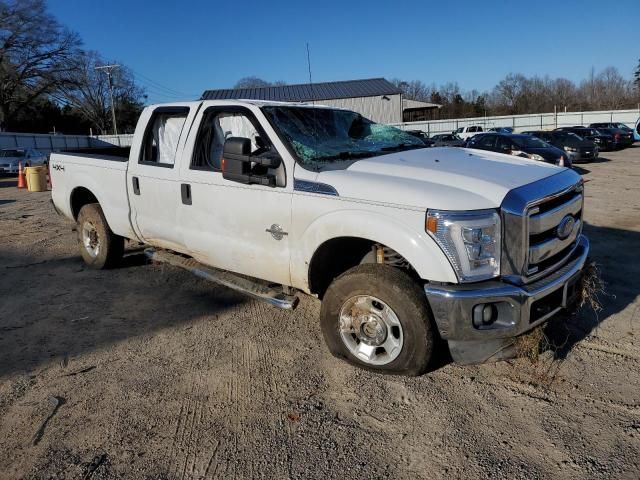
(90, 239)
(371, 330)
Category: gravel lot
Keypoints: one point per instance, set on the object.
(148, 372)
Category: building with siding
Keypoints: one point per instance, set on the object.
(374, 98)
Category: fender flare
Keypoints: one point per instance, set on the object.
(418, 248)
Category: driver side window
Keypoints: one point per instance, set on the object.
(215, 128)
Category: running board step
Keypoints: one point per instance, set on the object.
(261, 290)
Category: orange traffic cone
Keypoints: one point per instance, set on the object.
(22, 178)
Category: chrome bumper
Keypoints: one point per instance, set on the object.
(519, 309)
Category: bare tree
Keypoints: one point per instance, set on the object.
(36, 55)
(256, 82)
(87, 91)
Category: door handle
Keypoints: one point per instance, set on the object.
(185, 191)
(136, 185)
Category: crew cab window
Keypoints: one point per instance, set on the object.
(487, 141)
(161, 138)
(218, 125)
(504, 144)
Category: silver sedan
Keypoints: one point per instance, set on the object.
(29, 157)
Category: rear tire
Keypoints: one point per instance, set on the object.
(99, 246)
(376, 317)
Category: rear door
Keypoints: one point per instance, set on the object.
(153, 177)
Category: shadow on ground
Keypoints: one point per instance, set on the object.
(615, 253)
(56, 309)
(6, 182)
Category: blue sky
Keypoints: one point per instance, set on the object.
(178, 49)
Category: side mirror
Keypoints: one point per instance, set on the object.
(238, 165)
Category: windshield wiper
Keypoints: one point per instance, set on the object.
(402, 146)
(345, 156)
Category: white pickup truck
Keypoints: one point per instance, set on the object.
(403, 244)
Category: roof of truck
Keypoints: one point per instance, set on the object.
(240, 101)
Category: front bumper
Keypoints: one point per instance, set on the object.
(8, 168)
(519, 309)
(581, 156)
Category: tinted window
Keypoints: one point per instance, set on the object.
(529, 142)
(487, 141)
(11, 153)
(504, 144)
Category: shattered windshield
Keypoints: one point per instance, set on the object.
(320, 136)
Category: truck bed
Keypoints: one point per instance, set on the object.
(116, 154)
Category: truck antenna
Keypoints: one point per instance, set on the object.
(313, 98)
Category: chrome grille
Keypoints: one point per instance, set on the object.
(531, 216)
(548, 246)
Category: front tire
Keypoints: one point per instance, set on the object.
(99, 246)
(376, 317)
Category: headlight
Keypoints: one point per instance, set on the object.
(570, 149)
(535, 156)
(470, 240)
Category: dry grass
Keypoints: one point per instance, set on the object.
(530, 345)
(593, 288)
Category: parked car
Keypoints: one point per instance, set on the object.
(604, 141)
(621, 138)
(468, 132)
(447, 140)
(403, 244)
(636, 131)
(501, 129)
(576, 147)
(520, 145)
(618, 125)
(422, 136)
(10, 157)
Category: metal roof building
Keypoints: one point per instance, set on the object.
(374, 98)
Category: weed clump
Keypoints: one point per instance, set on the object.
(593, 288)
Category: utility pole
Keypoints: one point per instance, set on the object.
(107, 69)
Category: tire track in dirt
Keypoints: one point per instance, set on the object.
(192, 454)
(224, 425)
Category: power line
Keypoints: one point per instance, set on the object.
(161, 87)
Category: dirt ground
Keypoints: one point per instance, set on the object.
(147, 372)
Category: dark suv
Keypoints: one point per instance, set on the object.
(618, 125)
(622, 135)
(526, 146)
(604, 141)
(577, 148)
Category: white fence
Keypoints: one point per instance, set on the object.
(539, 121)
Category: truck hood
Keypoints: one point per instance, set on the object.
(440, 178)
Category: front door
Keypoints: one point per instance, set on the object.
(229, 225)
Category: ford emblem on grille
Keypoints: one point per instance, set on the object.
(565, 228)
